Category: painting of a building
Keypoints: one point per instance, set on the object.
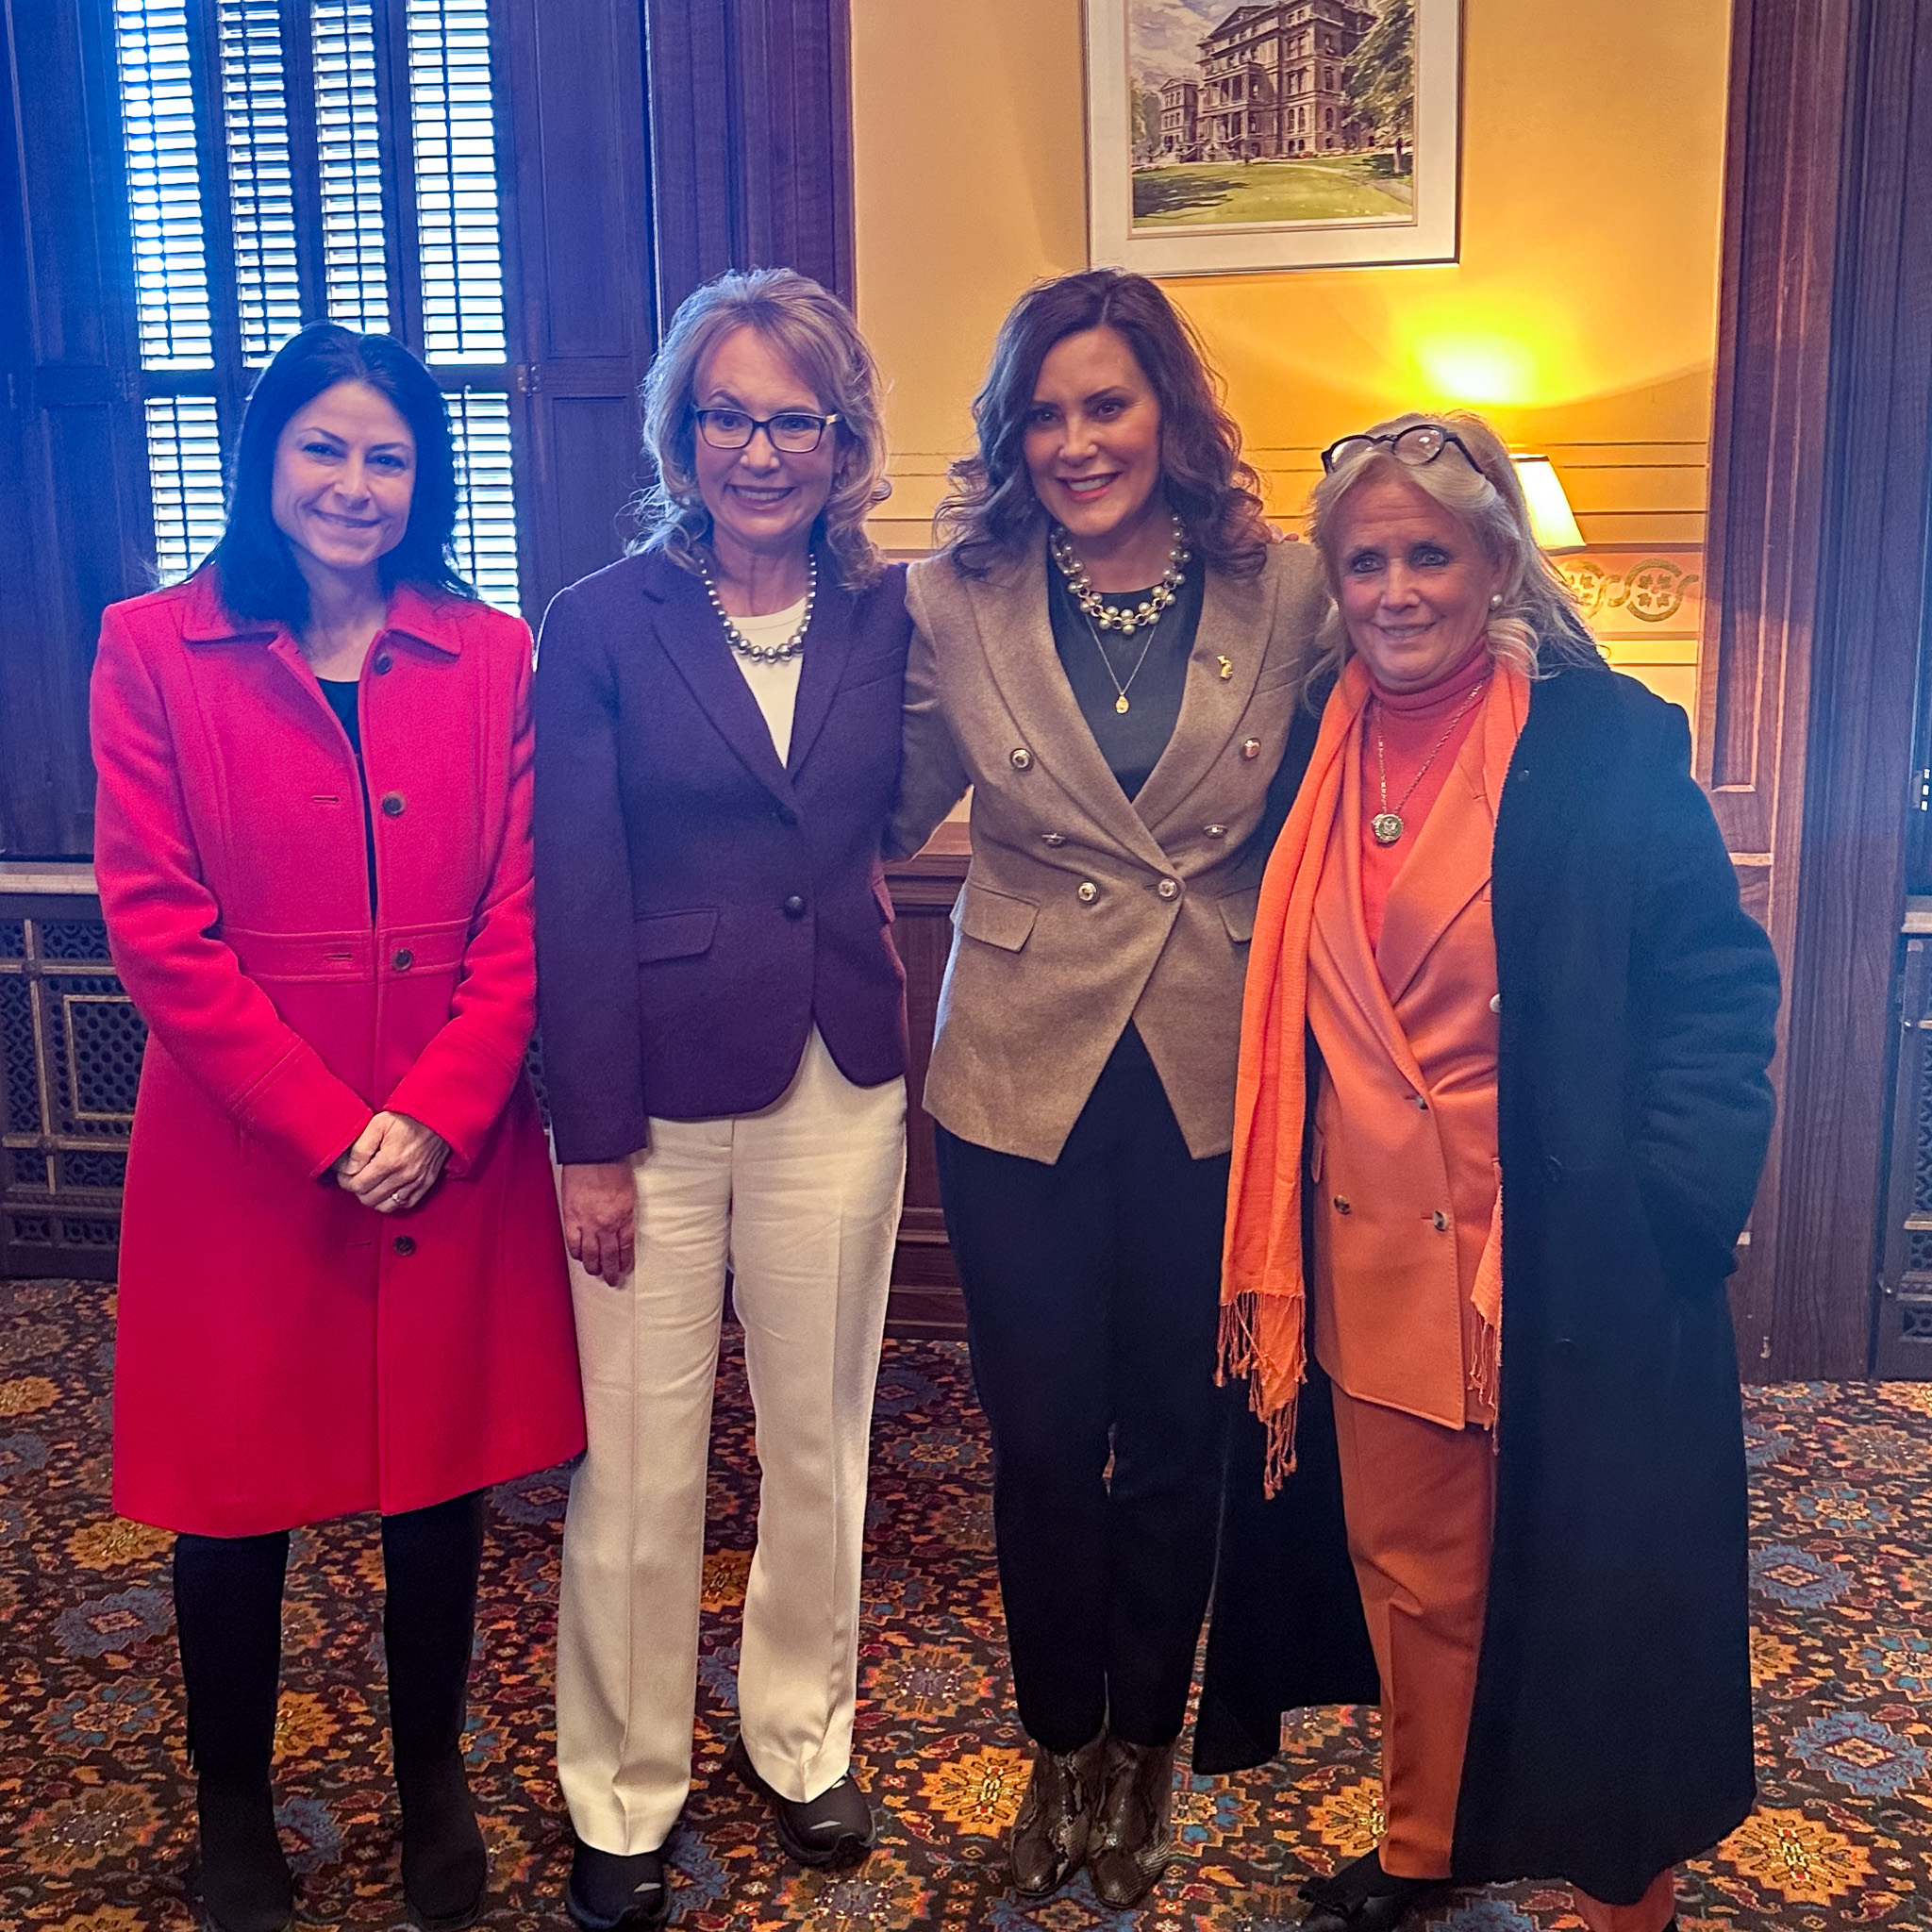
(1270, 85)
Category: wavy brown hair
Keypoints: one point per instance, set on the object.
(991, 510)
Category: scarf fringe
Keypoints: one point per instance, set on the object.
(1251, 1350)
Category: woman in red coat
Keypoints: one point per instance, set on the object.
(343, 1287)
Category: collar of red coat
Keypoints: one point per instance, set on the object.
(433, 621)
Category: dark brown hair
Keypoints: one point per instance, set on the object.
(991, 509)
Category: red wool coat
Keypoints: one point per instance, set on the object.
(283, 1354)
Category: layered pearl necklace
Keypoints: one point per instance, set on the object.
(765, 654)
(1097, 610)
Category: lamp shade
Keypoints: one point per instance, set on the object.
(1551, 521)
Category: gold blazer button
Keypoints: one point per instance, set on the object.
(1167, 889)
(1086, 892)
(1023, 758)
(1251, 747)
(1215, 831)
(1053, 837)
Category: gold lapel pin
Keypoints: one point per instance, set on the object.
(1226, 668)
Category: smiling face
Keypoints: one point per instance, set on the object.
(1412, 580)
(344, 478)
(1092, 444)
(762, 500)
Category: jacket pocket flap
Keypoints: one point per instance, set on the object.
(1237, 914)
(996, 918)
(674, 935)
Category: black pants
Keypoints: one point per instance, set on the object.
(1092, 1298)
(228, 1616)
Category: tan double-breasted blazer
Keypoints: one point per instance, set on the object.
(1083, 910)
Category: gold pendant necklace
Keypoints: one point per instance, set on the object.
(1387, 825)
(1120, 701)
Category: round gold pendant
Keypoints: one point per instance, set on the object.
(1120, 703)
(1387, 827)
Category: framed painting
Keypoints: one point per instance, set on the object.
(1224, 137)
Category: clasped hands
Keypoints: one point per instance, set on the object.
(394, 1162)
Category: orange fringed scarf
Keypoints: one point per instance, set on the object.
(1263, 1293)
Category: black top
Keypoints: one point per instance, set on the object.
(1130, 740)
(342, 694)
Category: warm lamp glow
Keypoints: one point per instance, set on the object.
(1484, 369)
(1551, 521)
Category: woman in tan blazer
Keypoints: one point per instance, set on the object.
(1107, 651)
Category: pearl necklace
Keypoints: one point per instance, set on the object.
(1094, 608)
(765, 654)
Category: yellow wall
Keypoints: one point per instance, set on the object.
(1581, 315)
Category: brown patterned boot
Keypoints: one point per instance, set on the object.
(1049, 1839)
(1132, 1845)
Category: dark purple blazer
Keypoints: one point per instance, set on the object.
(699, 905)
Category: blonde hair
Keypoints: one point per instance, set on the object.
(1534, 623)
(815, 334)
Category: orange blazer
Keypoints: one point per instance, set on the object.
(1403, 1159)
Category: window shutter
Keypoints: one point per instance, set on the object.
(578, 215)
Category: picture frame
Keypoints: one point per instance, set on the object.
(1290, 134)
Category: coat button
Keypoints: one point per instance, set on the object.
(404, 1244)
(795, 908)
(1341, 1205)
(1168, 888)
(392, 804)
(1023, 758)
(1053, 837)
(1553, 1168)
(1496, 1002)
(383, 661)
(1251, 747)
(1215, 831)
(1439, 1222)
(1422, 1106)
(1086, 892)
(402, 959)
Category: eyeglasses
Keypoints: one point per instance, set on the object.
(796, 432)
(1420, 443)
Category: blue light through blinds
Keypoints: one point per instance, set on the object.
(486, 533)
(163, 185)
(254, 117)
(454, 136)
(184, 459)
(355, 254)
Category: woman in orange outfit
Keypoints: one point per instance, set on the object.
(1497, 1204)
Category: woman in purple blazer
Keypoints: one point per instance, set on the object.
(718, 731)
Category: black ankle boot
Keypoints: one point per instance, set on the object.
(227, 1617)
(1363, 1897)
(446, 1867)
(245, 1882)
(430, 1557)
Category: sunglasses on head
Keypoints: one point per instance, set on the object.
(1420, 443)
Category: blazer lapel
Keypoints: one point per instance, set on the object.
(1017, 637)
(827, 650)
(1448, 866)
(1339, 928)
(1237, 617)
(687, 628)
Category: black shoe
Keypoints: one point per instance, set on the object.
(1132, 1845)
(245, 1882)
(1050, 1835)
(607, 1890)
(831, 1829)
(446, 1867)
(1363, 1897)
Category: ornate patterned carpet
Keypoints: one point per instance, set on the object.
(95, 1827)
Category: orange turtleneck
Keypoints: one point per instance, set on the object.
(1410, 724)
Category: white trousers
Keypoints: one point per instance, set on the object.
(801, 1201)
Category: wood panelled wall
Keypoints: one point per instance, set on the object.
(1817, 578)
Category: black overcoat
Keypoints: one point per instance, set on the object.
(1611, 1734)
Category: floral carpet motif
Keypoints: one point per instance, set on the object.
(95, 1829)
